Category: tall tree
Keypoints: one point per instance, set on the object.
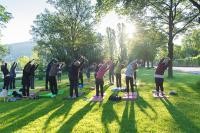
(171, 16)
(121, 40)
(111, 37)
(5, 16)
(191, 44)
(66, 31)
(147, 44)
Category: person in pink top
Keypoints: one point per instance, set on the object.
(99, 77)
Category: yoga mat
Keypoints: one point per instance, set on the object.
(160, 96)
(97, 99)
(50, 94)
(131, 96)
(118, 89)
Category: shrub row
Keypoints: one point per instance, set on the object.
(188, 62)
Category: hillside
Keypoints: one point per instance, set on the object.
(17, 50)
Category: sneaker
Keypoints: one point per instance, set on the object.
(162, 94)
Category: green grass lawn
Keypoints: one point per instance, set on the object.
(179, 113)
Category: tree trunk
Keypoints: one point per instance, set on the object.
(152, 64)
(170, 42)
(148, 64)
(143, 63)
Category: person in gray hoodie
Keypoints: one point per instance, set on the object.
(52, 77)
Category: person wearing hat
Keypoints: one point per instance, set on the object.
(159, 74)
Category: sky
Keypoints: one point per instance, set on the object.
(25, 11)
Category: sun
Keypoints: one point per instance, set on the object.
(111, 20)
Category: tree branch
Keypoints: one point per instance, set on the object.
(195, 4)
(189, 21)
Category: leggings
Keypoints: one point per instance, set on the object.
(118, 80)
(53, 84)
(159, 84)
(12, 82)
(129, 80)
(111, 77)
(73, 86)
(6, 82)
(99, 83)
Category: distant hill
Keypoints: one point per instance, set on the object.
(17, 50)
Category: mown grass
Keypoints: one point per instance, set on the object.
(173, 115)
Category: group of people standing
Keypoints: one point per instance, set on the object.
(115, 69)
(8, 76)
(27, 77)
(75, 73)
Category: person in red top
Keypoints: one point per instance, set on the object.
(159, 74)
(99, 77)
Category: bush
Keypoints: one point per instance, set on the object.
(40, 72)
(188, 62)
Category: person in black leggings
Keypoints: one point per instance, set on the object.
(12, 75)
(29, 69)
(74, 75)
(6, 75)
(159, 75)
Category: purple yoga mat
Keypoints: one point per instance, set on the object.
(97, 98)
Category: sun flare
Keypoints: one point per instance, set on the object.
(112, 19)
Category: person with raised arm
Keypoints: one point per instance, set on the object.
(99, 77)
(159, 75)
(129, 75)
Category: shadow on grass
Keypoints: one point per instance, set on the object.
(109, 115)
(62, 110)
(128, 123)
(142, 104)
(185, 124)
(75, 118)
(29, 113)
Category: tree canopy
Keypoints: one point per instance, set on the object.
(172, 17)
(5, 16)
(66, 32)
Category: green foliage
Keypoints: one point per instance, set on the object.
(147, 45)
(122, 43)
(111, 38)
(3, 51)
(188, 62)
(22, 61)
(40, 72)
(5, 16)
(171, 17)
(65, 32)
(191, 44)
